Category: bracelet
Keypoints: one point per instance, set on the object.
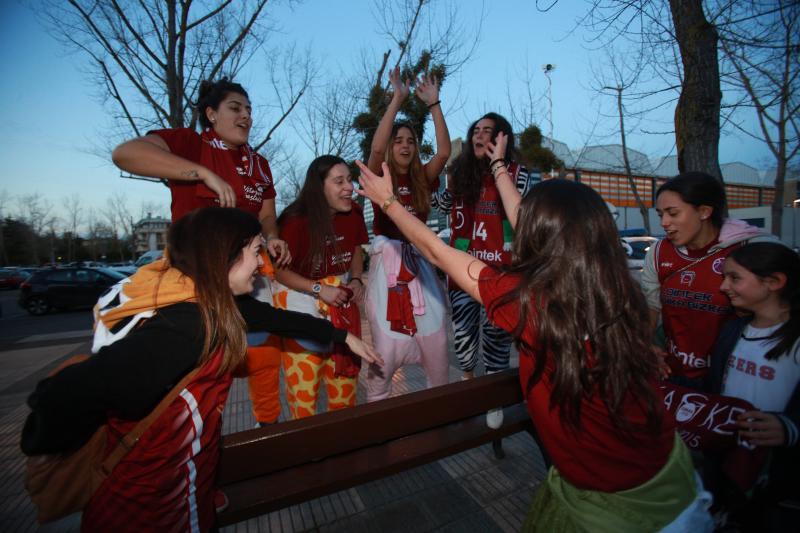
(496, 166)
(354, 278)
(386, 203)
(500, 174)
(499, 160)
(437, 102)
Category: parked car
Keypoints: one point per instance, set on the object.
(148, 257)
(61, 288)
(11, 278)
(636, 248)
(127, 268)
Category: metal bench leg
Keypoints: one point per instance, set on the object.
(497, 446)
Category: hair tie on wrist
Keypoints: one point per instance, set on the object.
(437, 102)
(500, 160)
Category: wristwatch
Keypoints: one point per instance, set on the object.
(315, 289)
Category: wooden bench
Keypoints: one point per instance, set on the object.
(262, 470)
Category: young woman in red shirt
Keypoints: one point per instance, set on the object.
(214, 167)
(405, 300)
(586, 368)
(219, 167)
(480, 226)
(326, 230)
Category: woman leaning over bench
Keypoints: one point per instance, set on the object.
(189, 310)
(586, 367)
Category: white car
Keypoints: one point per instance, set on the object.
(636, 248)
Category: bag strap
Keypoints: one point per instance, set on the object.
(127, 442)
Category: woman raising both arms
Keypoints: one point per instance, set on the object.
(586, 368)
(215, 167)
(405, 301)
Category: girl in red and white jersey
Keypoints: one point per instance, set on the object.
(189, 310)
(325, 229)
(216, 167)
(219, 167)
(589, 378)
(405, 299)
(683, 271)
(482, 225)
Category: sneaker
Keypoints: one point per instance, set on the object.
(494, 418)
(220, 501)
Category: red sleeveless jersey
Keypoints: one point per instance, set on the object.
(166, 483)
(693, 308)
(483, 230)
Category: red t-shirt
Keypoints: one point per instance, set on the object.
(598, 456)
(382, 224)
(350, 230)
(252, 187)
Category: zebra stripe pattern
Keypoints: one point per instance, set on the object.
(471, 327)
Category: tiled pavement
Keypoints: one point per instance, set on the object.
(470, 491)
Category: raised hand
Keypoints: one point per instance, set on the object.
(400, 89)
(497, 149)
(376, 188)
(427, 89)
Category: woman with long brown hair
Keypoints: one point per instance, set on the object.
(326, 230)
(189, 310)
(586, 368)
(405, 300)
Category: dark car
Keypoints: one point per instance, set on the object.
(10, 278)
(62, 288)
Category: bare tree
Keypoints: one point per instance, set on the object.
(37, 212)
(764, 55)
(149, 56)
(5, 198)
(74, 217)
(617, 77)
(423, 35)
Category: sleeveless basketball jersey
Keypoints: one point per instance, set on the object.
(484, 230)
(693, 308)
(166, 481)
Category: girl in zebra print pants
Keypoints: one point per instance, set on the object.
(480, 227)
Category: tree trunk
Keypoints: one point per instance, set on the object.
(697, 112)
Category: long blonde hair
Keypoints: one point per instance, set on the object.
(420, 193)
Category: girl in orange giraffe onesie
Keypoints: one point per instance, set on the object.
(325, 230)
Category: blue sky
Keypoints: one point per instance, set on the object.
(52, 122)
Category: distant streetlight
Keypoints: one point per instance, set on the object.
(548, 68)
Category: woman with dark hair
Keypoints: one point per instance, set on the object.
(190, 310)
(482, 224)
(757, 358)
(215, 167)
(326, 229)
(683, 271)
(405, 301)
(589, 378)
(219, 167)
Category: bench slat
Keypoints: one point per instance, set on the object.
(291, 485)
(258, 452)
